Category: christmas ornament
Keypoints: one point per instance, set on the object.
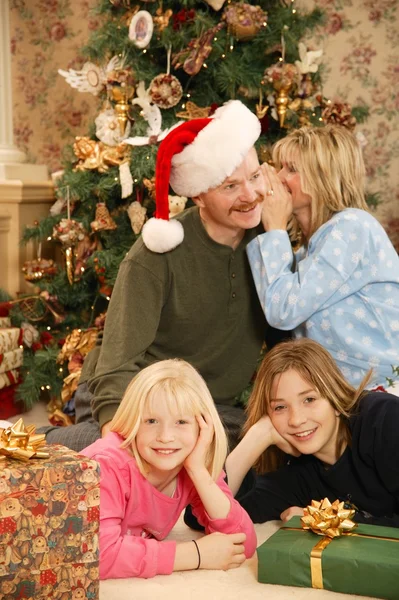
(69, 233)
(162, 19)
(97, 155)
(103, 220)
(35, 308)
(192, 111)
(260, 109)
(36, 269)
(307, 64)
(150, 185)
(76, 347)
(84, 250)
(137, 215)
(193, 57)
(244, 21)
(109, 125)
(282, 76)
(340, 114)
(151, 111)
(121, 94)
(176, 205)
(141, 28)
(30, 334)
(215, 4)
(166, 90)
(105, 289)
(182, 17)
(91, 78)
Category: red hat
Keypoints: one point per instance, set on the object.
(195, 157)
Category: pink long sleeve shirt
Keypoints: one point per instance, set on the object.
(135, 516)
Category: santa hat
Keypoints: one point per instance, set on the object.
(195, 157)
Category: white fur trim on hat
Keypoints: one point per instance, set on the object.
(161, 236)
(216, 152)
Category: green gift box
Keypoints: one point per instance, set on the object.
(365, 562)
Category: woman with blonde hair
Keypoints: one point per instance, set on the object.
(340, 286)
(166, 449)
(311, 435)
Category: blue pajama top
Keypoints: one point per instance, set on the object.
(341, 291)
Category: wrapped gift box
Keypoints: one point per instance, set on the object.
(9, 407)
(11, 359)
(10, 338)
(49, 524)
(9, 378)
(5, 322)
(351, 564)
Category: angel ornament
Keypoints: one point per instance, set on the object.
(308, 63)
(92, 78)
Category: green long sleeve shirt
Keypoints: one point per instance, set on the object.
(197, 302)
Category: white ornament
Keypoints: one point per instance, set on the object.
(137, 215)
(126, 180)
(89, 79)
(151, 112)
(176, 205)
(108, 130)
(92, 78)
(144, 140)
(307, 64)
(141, 28)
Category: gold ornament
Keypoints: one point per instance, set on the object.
(244, 20)
(282, 103)
(260, 109)
(36, 269)
(97, 155)
(194, 112)
(69, 263)
(121, 94)
(103, 220)
(162, 18)
(150, 185)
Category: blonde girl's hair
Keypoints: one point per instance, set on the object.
(331, 169)
(185, 393)
(317, 367)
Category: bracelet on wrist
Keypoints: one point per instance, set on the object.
(199, 555)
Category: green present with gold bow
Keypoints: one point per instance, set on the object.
(326, 550)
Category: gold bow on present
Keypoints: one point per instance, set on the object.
(21, 443)
(331, 520)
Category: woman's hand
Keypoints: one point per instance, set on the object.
(195, 461)
(293, 511)
(222, 551)
(277, 205)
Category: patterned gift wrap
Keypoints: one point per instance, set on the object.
(49, 525)
(11, 360)
(10, 338)
(9, 378)
(5, 322)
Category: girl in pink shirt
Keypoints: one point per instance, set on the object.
(166, 449)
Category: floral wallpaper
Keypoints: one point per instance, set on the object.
(47, 35)
(360, 40)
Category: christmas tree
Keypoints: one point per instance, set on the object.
(152, 66)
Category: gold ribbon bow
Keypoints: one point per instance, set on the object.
(330, 521)
(324, 518)
(21, 443)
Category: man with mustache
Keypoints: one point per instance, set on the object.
(185, 289)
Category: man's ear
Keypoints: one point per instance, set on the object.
(198, 201)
